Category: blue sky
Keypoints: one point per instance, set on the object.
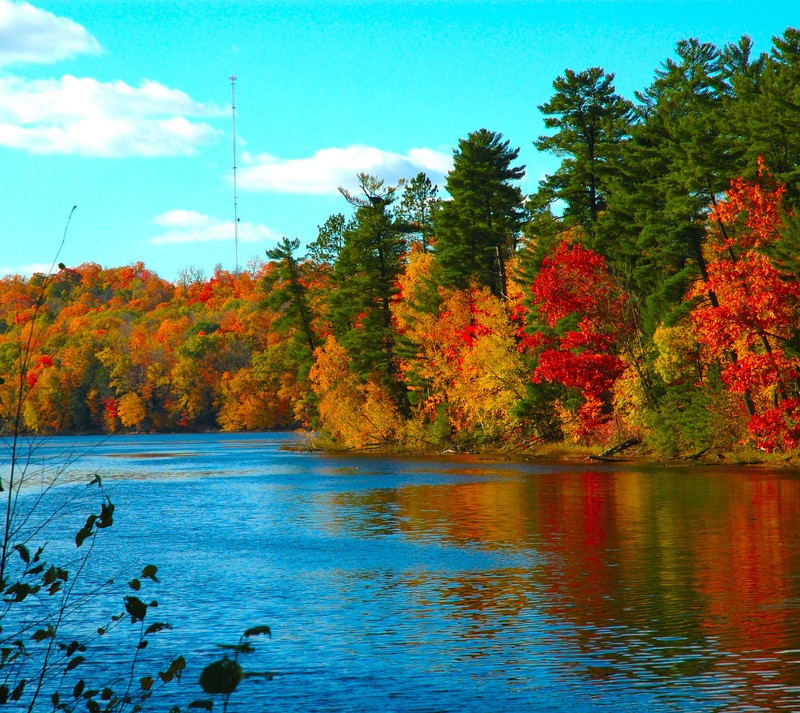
(123, 108)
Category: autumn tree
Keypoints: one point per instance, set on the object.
(586, 337)
(755, 311)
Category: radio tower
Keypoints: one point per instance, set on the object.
(232, 79)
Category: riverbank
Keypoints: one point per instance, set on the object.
(628, 452)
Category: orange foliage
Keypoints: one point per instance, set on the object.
(356, 415)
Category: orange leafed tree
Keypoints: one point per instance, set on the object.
(748, 316)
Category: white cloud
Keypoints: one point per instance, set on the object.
(27, 270)
(330, 168)
(33, 36)
(188, 226)
(87, 117)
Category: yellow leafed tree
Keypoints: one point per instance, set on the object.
(355, 414)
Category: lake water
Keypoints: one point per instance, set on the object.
(458, 584)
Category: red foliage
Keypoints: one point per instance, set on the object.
(574, 281)
(778, 427)
(757, 311)
(757, 206)
(562, 286)
(42, 362)
(110, 406)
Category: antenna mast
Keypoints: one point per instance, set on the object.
(232, 79)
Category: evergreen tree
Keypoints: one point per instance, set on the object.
(767, 117)
(365, 277)
(330, 238)
(592, 122)
(417, 205)
(290, 299)
(677, 164)
(477, 231)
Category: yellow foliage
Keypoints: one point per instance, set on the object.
(492, 382)
(354, 414)
(630, 404)
(466, 357)
(678, 352)
(131, 410)
(246, 404)
(414, 283)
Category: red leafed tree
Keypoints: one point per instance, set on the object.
(586, 321)
(751, 312)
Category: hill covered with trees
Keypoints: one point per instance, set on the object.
(647, 290)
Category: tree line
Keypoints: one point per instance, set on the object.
(647, 290)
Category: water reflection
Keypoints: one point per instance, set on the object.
(678, 577)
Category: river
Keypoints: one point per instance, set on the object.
(455, 584)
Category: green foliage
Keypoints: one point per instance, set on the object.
(592, 122)
(290, 299)
(417, 206)
(477, 231)
(330, 239)
(682, 424)
(365, 283)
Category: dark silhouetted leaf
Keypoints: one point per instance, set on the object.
(73, 647)
(106, 515)
(221, 676)
(74, 663)
(149, 572)
(20, 591)
(157, 626)
(79, 688)
(203, 704)
(136, 608)
(81, 536)
(258, 631)
(16, 694)
(43, 634)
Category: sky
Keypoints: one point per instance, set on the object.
(123, 109)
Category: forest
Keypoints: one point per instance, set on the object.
(646, 292)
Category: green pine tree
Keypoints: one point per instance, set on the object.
(592, 123)
(477, 231)
(365, 276)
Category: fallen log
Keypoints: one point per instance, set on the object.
(618, 448)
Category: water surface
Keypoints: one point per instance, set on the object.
(460, 584)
